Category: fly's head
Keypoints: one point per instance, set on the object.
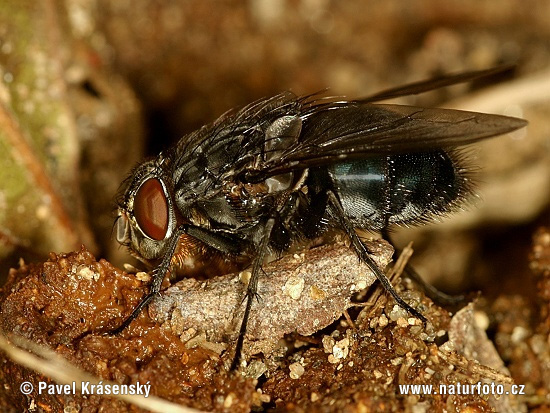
(146, 216)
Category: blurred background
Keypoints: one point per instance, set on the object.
(90, 87)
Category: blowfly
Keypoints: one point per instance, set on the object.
(285, 170)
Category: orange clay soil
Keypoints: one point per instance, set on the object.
(302, 353)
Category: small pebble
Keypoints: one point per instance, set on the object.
(296, 370)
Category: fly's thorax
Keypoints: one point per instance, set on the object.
(147, 218)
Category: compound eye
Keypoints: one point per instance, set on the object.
(151, 209)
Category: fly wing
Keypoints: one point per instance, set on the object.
(435, 83)
(285, 133)
(338, 131)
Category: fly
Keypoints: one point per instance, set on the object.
(286, 169)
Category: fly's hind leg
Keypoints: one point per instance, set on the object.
(339, 213)
(433, 293)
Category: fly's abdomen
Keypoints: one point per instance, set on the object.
(400, 189)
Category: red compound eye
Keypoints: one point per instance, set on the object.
(151, 209)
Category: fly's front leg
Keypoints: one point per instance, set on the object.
(252, 289)
(157, 275)
(217, 241)
(361, 250)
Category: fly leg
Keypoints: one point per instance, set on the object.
(338, 212)
(433, 293)
(158, 276)
(214, 240)
(252, 290)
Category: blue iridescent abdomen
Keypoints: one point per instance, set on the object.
(398, 189)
